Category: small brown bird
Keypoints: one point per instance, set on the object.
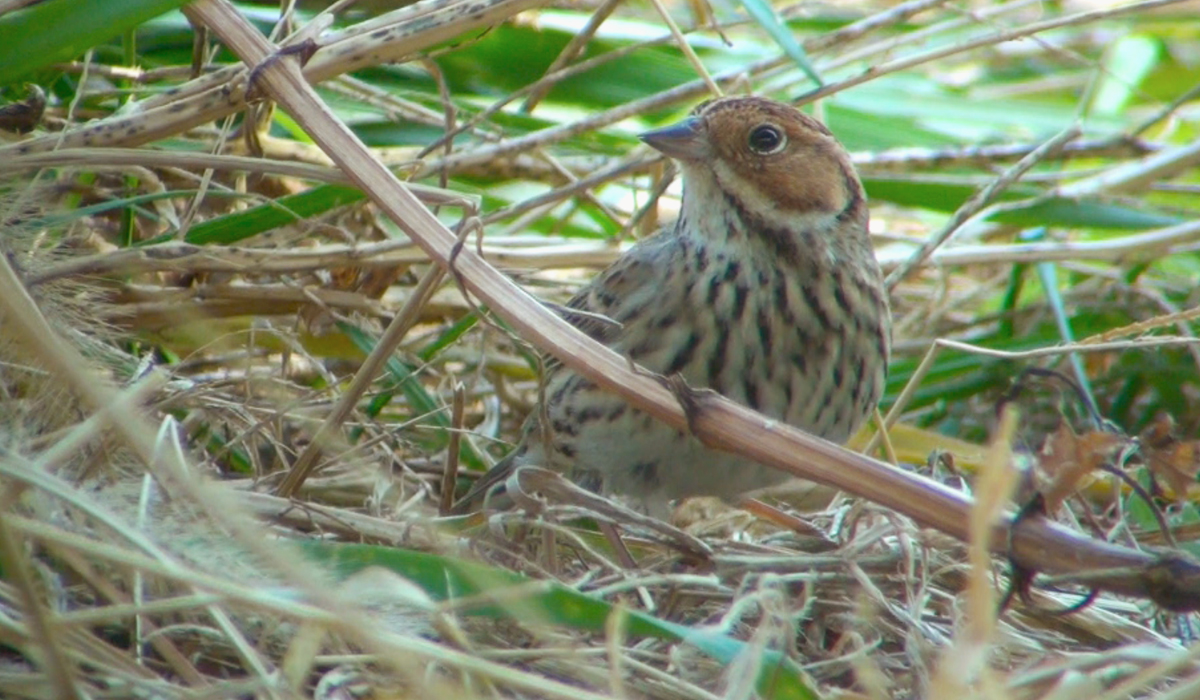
(766, 290)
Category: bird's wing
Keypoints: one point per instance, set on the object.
(598, 310)
(622, 290)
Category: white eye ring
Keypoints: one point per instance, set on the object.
(766, 139)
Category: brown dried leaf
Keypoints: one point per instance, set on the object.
(1175, 461)
(1068, 457)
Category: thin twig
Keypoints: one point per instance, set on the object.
(409, 314)
(450, 471)
(686, 49)
(977, 202)
(569, 53)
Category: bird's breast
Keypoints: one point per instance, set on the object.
(806, 346)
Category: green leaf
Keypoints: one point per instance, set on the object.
(765, 15)
(965, 117)
(947, 194)
(232, 228)
(55, 219)
(1085, 213)
(862, 130)
(550, 603)
(1125, 66)
(488, 68)
(61, 30)
(448, 337)
(1048, 275)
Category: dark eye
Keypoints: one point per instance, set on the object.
(766, 139)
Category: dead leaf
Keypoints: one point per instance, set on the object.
(1173, 460)
(1067, 458)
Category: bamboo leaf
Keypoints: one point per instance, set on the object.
(60, 30)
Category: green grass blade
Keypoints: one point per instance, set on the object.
(551, 603)
(238, 226)
(404, 378)
(762, 12)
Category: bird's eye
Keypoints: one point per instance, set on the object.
(766, 139)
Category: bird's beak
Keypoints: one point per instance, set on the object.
(684, 140)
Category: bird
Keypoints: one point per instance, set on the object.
(766, 290)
